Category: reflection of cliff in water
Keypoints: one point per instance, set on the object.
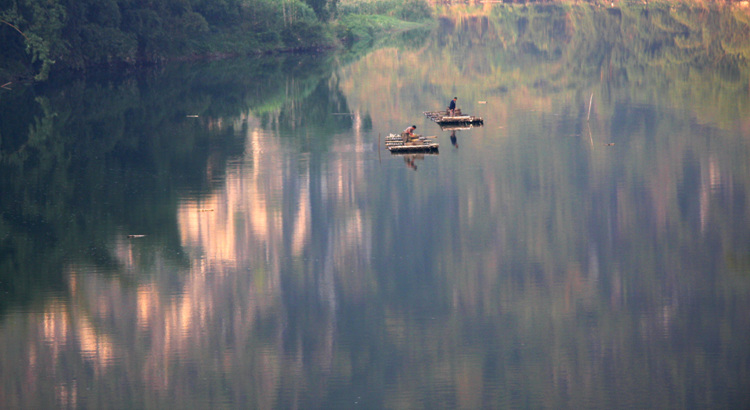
(113, 151)
(243, 243)
(540, 221)
(116, 308)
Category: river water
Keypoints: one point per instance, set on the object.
(234, 234)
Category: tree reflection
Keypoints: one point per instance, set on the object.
(90, 158)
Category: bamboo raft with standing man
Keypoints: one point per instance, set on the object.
(453, 115)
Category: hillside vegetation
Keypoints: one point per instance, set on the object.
(77, 34)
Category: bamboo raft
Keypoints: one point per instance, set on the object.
(399, 143)
(443, 118)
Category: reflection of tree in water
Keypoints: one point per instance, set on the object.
(610, 274)
(118, 150)
(413, 39)
(320, 111)
(95, 161)
(553, 48)
(135, 140)
(143, 153)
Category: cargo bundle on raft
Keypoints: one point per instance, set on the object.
(445, 118)
(399, 143)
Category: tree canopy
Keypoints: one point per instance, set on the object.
(80, 33)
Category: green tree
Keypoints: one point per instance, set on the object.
(324, 9)
(40, 24)
(93, 33)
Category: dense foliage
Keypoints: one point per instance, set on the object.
(409, 10)
(80, 33)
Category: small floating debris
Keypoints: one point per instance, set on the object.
(206, 210)
(136, 236)
(192, 116)
(481, 102)
(610, 144)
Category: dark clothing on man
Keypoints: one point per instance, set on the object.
(452, 107)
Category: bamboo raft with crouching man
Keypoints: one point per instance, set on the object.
(400, 143)
(445, 117)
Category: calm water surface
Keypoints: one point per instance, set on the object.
(235, 235)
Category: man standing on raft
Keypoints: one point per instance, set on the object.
(452, 107)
